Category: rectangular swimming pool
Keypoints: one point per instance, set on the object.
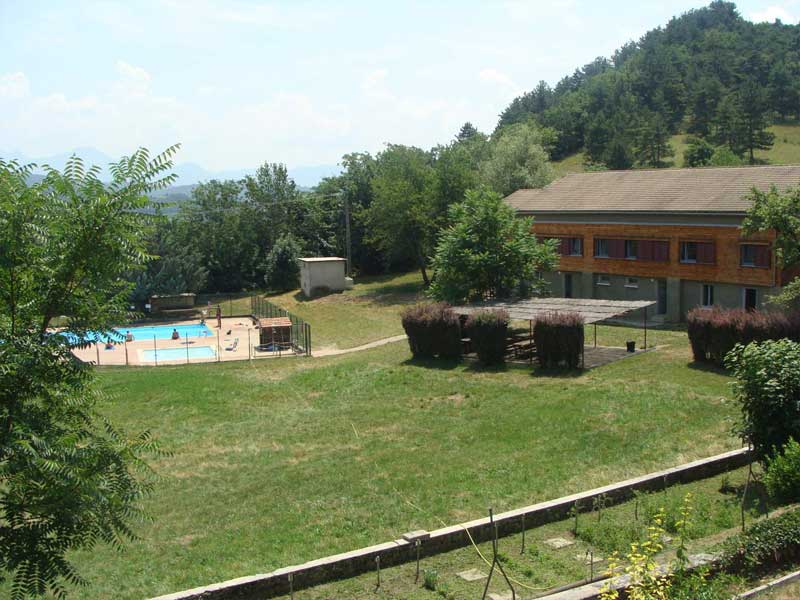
(167, 354)
(146, 333)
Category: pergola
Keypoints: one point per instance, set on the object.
(593, 311)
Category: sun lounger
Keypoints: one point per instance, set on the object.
(232, 347)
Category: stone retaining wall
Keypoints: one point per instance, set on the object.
(403, 550)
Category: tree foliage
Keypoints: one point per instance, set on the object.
(779, 211)
(709, 70)
(486, 251)
(68, 478)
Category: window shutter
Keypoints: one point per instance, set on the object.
(705, 253)
(616, 248)
(645, 250)
(661, 251)
(563, 246)
(762, 256)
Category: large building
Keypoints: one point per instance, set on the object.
(671, 235)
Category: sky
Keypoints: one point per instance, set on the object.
(238, 83)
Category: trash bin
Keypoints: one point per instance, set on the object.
(631, 346)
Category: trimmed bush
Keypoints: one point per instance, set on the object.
(783, 473)
(767, 388)
(766, 543)
(433, 330)
(713, 332)
(488, 330)
(559, 339)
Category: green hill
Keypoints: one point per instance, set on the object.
(708, 72)
(785, 151)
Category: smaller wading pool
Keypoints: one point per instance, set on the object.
(172, 354)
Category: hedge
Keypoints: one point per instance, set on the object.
(766, 543)
(713, 332)
(488, 330)
(559, 339)
(433, 329)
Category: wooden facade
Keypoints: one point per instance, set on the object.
(720, 259)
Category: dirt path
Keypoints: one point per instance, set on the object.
(375, 344)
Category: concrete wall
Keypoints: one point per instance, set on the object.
(322, 275)
(434, 542)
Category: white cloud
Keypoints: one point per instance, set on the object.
(496, 77)
(771, 13)
(14, 85)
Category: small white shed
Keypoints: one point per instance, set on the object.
(323, 274)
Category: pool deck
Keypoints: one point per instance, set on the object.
(131, 353)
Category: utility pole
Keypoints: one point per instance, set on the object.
(349, 256)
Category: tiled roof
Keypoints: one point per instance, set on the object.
(703, 190)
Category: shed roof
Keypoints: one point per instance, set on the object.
(592, 310)
(312, 259)
(704, 190)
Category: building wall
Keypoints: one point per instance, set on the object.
(318, 275)
(727, 240)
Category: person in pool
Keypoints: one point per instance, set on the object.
(175, 334)
(128, 336)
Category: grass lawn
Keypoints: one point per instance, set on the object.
(282, 461)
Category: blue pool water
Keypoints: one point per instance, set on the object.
(161, 332)
(166, 354)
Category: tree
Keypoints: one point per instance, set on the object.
(487, 251)
(652, 141)
(282, 271)
(214, 223)
(753, 120)
(402, 219)
(68, 478)
(519, 158)
(466, 132)
(779, 211)
(698, 152)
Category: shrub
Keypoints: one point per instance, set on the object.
(430, 578)
(767, 386)
(432, 330)
(770, 542)
(559, 339)
(488, 330)
(783, 473)
(714, 332)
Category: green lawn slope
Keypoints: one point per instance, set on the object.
(785, 151)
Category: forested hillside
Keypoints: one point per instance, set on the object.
(708, 73)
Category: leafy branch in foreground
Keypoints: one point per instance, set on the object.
(68, 478)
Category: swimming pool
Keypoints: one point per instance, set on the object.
(146, 333)
(164, 332)
(167, 354)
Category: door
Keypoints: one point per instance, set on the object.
(750, 298)
(661, 298)
(567, 285)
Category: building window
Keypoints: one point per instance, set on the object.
(754, 255)
(707, 299)
(601, 248)
(603, 280)
(632, 282)
(697, 252)
(631, 249)
(576, 246)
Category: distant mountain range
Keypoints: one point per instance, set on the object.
(189, 174)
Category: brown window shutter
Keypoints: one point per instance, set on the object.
(645, 250)
(661, 251)
(705, 253)
(616, 248)
(762, 256)
(563, 246)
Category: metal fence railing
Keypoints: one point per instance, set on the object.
(261, 308)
